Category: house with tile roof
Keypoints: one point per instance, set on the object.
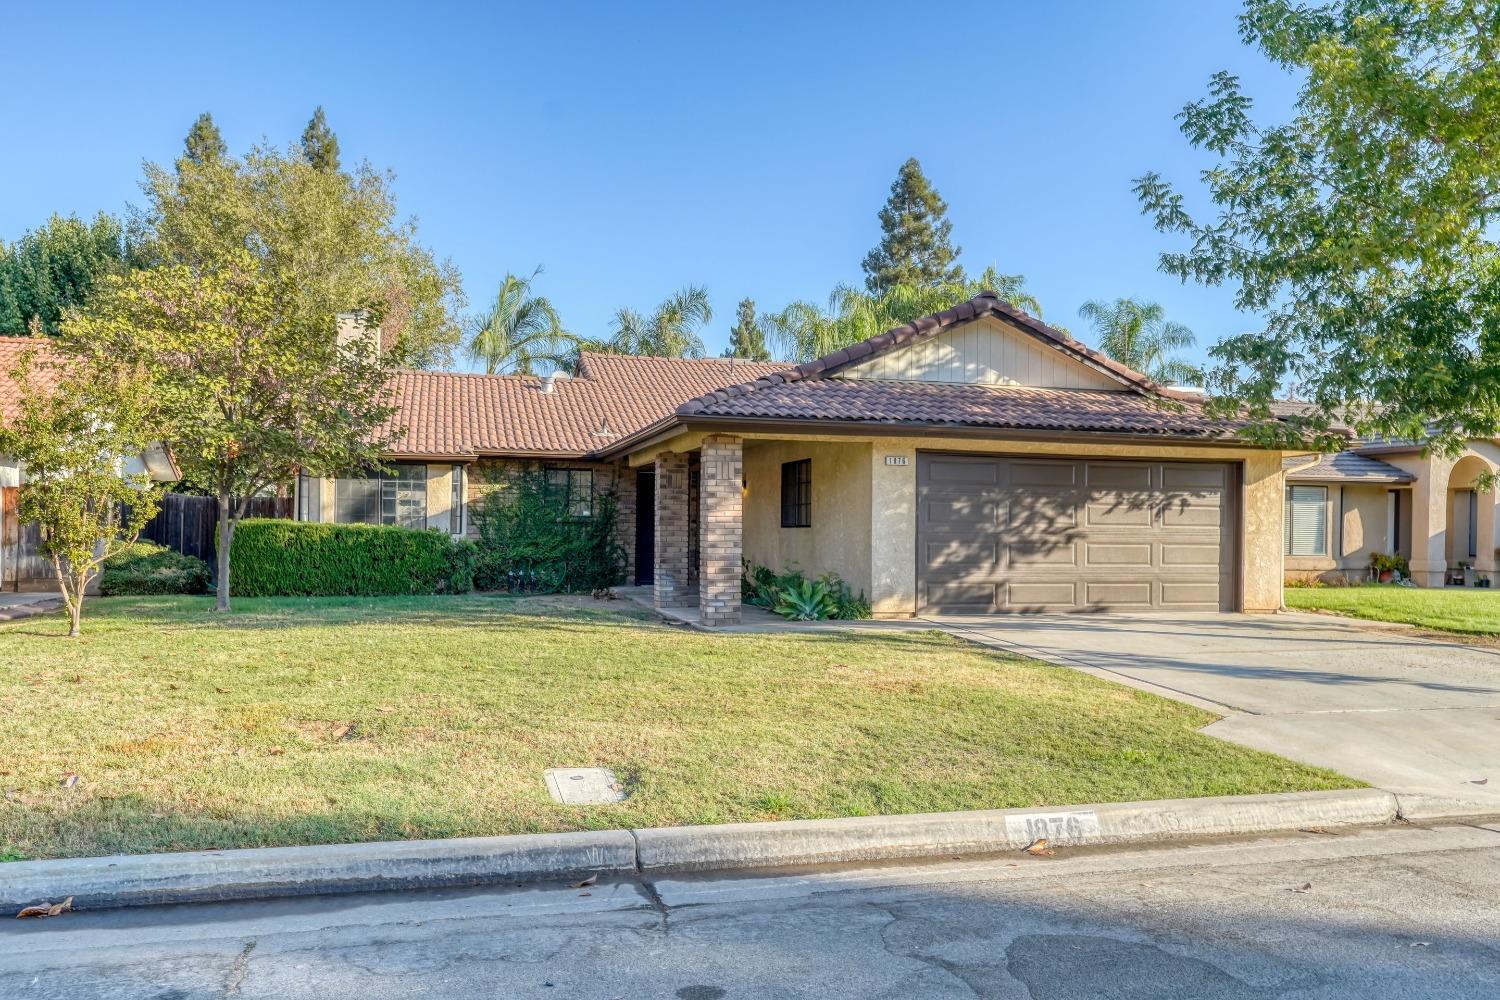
(1394, 498)
(22, 566)
(975, 460)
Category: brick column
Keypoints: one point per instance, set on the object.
(720, 530)
(670, 586)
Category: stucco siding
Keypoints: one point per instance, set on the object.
(838, 538)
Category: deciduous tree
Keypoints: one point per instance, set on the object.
(80, 428)
(55, 267)
(251, 385)
(1362, 228)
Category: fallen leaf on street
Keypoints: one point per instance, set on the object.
(584, 883)
(1038, 848)
(1316, 829)
(581, 894)
(1481, 781)
(46, 909)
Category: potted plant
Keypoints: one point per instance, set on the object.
(1481, 579)
(1387, 566)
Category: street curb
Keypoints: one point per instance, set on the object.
(208, 876)
(873, 838)
(204, 876)
(1432, 807)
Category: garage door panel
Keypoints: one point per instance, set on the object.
(1118, 476)
(1025, 474)
(961, 555)
(1190, 595)
(1040, 596)
(1042, 510)
(1194, 477)
(1127, 554)
(1118, 593)
(1181, 554)
(1025, 555)
(1018, 534)
(943, 471)
(1119, 511)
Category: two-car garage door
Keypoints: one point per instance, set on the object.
(1038, 534)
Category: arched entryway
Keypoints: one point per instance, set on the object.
(1470, 541)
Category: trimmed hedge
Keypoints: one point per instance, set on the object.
(147, 568)
(276, 558)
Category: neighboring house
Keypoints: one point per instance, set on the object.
(976, 460)
(1389, 497)
(22, 565)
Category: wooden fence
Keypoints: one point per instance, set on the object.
(190, 524)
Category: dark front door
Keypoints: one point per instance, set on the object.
(645, 527)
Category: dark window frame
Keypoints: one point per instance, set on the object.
(576, 486)
(796, 493)
(456, 503)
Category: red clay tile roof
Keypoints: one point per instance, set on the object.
(454, 415)
(955, 404)
(11, 349)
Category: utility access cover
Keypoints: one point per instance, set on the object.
(583, 786)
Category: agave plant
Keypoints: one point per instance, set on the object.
(806, 601)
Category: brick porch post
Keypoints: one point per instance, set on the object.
(670, 586)
(720, 530)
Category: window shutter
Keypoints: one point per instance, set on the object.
(1307, 520)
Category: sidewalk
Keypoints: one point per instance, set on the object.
(15, 606)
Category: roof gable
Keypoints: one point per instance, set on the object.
(986, 304)
(985, 350)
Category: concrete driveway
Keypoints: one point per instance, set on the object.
(1375, 702)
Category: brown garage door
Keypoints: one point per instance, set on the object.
(1036, 534)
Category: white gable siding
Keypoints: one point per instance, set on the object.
(982, 352)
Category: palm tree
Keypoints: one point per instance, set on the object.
(1138, 334)
(670, 332)
(519, 332)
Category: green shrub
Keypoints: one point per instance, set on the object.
(793, 596)
(274, 558)
(529, 542)
(147, 568)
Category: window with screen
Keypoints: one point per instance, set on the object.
(356, 500)
(576, 488)
(403, 496)
(796, 494)
(1306, 520)
(457, 505)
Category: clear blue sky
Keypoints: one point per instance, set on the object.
(632, 148)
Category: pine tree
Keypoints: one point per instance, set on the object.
(204, 143)
(747, 340)
(915, 248)
(319, 144)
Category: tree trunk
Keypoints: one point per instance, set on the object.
(226, 537)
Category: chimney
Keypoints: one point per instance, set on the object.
(352, 327)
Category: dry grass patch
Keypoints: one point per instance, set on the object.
(310, 721)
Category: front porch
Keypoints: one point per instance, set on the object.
(1453, 520)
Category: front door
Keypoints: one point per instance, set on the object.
(645, 527)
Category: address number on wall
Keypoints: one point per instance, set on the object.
(895, 460)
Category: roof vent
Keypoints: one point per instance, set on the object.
(549, 380)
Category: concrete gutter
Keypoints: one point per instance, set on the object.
(140, 880)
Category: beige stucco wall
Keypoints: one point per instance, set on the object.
(1431, 507)
(838, 539)
(1357, 528)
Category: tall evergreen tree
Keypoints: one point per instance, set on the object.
(319, 144)
(204, 144)
(55, 267)
(747, 340)
(915, 247)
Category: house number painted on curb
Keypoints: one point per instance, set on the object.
(1053, 826)
(895, 460)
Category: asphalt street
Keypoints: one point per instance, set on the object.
(1391, 912)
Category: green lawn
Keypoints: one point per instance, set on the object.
(301, 721)
(1466, 611)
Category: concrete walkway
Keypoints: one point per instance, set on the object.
(1410, 715)
(13, 606)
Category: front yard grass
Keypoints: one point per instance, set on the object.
(1466, 612)
(298, 721)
